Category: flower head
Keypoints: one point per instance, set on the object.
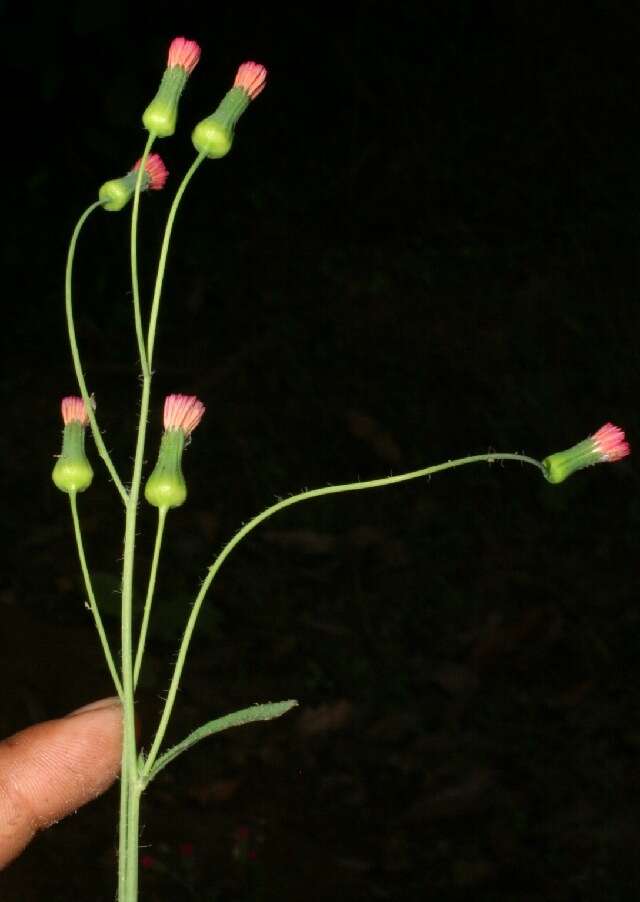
(166, 487)
(115, 194)
(74, 411)
(155, 173)
(251, 77)
(161, 115)
(182, 412)
(213, 136)
(72, 471)
(607, 445)
(183, 53)
(610, 443)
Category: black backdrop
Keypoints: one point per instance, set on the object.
(423, 245)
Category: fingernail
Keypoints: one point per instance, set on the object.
(96, 706)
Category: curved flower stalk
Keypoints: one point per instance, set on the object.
(72, 473)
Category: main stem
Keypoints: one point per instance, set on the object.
(131, 784)
(130, 775)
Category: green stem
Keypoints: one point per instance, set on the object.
(122, 829)
(91, 595)
(133, 827)
(135, 282)
(162, 262)
(162, 515)
(251, 525)
(130, 848)
(130, 805)
(97, 437)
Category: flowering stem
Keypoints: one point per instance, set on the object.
(131, 787)
(162, 262)
(251, 525)
(97, 437)
(91, 595)
(129, 840)
(162, 514)
(135, 282)
(122, 829)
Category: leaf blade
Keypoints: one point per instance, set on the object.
(265, 711)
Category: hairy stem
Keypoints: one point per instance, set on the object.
(251, 525)
(77, 364)
(162, 262)
(91, 595)
(162, 515)
(135, 282)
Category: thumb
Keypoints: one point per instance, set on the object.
(52, 768)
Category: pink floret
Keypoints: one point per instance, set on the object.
(155, 170)
(183, 53)
(251, 77)
(182, 412)
(610, 443)
(74, 411)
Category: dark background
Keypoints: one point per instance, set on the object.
(423, 245)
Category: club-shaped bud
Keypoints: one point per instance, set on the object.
(72, 471)
(116, 194)
(213, 136)
(161, 115)
(166, 487)
(608, 444)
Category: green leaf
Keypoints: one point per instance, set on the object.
(267, 711)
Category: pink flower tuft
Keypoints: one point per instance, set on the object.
(183, 53)
(74, 411)
(182, 412)
(155, 170)
(148, 862)
(610, 443)
(251, 77)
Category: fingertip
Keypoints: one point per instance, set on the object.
(52, 768)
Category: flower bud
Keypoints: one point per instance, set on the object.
(72, 471)
(161, 115)
(608, 444)
(166, 487)
(115, 195)
(213, 136)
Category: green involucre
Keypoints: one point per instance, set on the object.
(559, 466)
(72, 471)
(116, 194)
(213, 136)
(161, 115)
(166, 486)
